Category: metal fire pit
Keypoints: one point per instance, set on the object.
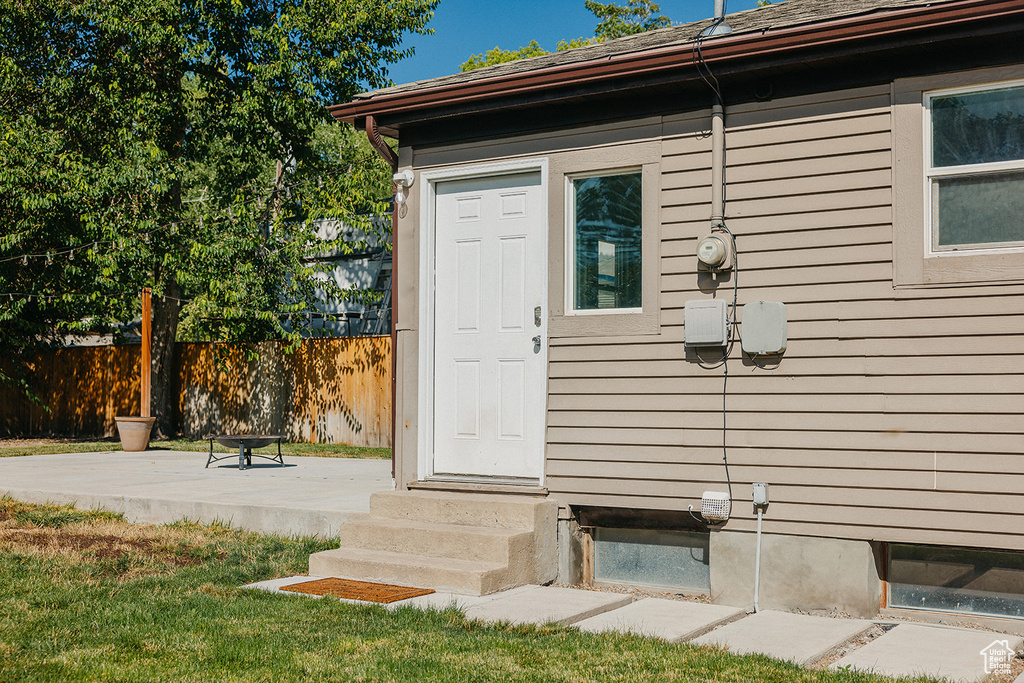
(245, 443)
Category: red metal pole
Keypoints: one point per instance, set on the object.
(147, 351)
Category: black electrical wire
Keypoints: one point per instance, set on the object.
(703, 70)
(728, 348)
(730, 341)
(708, 76)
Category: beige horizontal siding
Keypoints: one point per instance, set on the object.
(795, 420)
(895, 415)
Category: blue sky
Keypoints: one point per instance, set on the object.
(466, 27)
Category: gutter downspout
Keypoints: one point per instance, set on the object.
(388, 154)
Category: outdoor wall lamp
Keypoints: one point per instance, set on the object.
(402, 181)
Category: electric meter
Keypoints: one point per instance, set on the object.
(715, 253)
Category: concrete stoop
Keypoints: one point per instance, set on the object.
(466, 543)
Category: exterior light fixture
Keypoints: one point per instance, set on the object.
(402, 181)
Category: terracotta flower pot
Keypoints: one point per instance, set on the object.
(134, 432)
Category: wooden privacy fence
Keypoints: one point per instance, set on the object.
(84, 387)
(328, 391)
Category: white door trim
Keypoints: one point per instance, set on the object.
(428, 208)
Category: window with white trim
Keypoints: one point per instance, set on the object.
(974, 168)
(605, 242)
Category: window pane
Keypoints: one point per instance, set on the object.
(978, 128)
(965, 581)
(608, 242)
(978, 210)
(677, 559)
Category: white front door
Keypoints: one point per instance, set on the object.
(490, 321)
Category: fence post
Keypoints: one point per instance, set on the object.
(147, 351)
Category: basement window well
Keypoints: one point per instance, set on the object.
(959, 580)
(652, 557)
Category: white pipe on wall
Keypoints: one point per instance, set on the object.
(757, 561)
(717, 164)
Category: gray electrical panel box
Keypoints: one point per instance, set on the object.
(763, 328)
(705, 323)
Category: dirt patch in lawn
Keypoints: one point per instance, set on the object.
(100, 546)
(114, 546)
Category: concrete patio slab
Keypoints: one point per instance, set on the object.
(671, 620)
(797, 638)
(917, 649)
(309, 496)
(545, 605)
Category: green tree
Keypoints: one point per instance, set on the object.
(616, 21)
(140, 145)
(499, 56)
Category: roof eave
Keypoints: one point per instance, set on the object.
(846, 32)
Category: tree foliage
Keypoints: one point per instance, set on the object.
(616, 21)
(139, 146)
(500, 56)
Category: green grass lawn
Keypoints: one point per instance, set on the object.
(86, 596)
(15, 447)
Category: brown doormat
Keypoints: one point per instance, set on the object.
(357, 590)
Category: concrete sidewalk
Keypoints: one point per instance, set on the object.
(954, 654)
(308, 496)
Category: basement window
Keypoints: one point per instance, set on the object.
(652, 557)
(959, 580)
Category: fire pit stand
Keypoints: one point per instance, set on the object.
(245, 443)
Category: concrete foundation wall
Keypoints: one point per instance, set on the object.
(797, 572)
(570, 552)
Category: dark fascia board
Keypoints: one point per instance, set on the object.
(847, 35)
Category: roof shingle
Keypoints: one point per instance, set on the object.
(771, 17)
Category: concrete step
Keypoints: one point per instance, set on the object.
(468, 509)
(459, 542)
(442, 574)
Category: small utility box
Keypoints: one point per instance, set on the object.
(705, 323)
(763, 330)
